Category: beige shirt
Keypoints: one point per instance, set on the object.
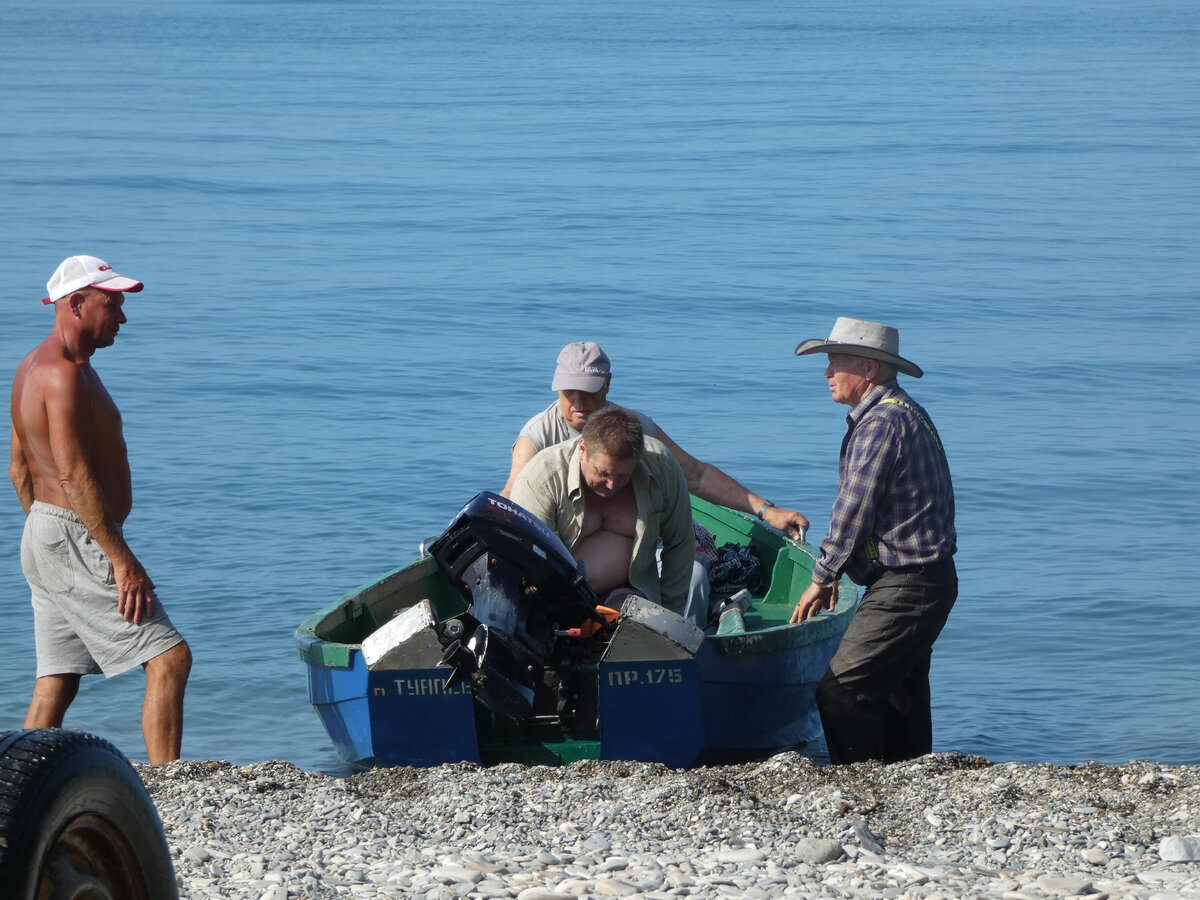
(551, 487)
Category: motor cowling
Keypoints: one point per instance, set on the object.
(523, 587)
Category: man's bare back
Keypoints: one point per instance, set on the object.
(609, 529)
(48, 383)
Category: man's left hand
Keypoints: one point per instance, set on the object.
(814, 599)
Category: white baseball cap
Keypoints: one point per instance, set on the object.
(76, 272)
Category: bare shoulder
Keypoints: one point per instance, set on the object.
(46, 374)
(48, 361)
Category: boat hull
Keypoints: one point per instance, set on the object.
(665, 692)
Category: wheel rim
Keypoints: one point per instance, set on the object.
(91, 860)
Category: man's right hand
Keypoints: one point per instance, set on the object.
(135, 590)
(788, 521)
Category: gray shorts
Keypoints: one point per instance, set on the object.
(77, 628)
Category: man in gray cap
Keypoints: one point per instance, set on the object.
(892, 530)
(94, 606)
(613, 495)
(582, 378)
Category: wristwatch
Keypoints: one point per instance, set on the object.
(767, 504)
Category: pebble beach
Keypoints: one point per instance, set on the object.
(943, 826)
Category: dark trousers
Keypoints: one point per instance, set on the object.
(874, 700)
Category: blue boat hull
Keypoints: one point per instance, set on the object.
(680, 713)
(743, 692)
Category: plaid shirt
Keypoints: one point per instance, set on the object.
(894, 492)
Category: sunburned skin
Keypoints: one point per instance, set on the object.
(95, 415)
(609, 520)
(606, 548)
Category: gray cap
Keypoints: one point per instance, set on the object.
(855, 337)
(582, 366)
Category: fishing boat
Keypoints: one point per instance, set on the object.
(491, 647)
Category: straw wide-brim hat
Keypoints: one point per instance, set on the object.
(855, 337)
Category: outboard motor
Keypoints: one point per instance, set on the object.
(524, 588)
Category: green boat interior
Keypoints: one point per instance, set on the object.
(786, 572)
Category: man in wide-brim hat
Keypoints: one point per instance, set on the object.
(891, 530)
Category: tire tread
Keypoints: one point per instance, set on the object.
(28, 760)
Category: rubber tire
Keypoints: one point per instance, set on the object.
(76, 821)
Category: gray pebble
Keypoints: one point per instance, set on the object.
(1180, 849)
(1064, 885)
(455, 874)
(818, 851)
(1095, 856)
(943, 826)
(741, 856)
(613, 887)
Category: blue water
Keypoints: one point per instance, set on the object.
(367, 228)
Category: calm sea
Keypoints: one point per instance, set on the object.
(367, 228)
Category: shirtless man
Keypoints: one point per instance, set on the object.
(610, 496)
(94, 606)
(582, 378)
